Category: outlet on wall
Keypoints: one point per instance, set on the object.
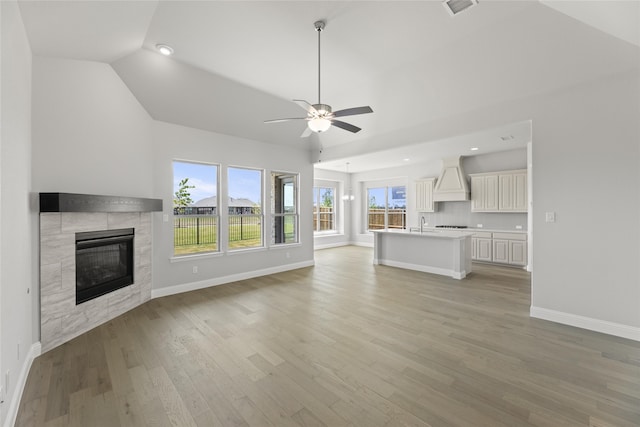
(195, 269)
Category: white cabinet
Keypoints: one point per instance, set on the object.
(481, 245)
(484, 193)
(504, 191)
(510, 248)
(501, 251)
(502, 248)
(424, 195)
(512, 190)
(517, 252)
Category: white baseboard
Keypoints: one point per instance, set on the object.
(12, 412)
(597, 325)
(186, 287)
(330, 245)
(423, 268)
(363, 244)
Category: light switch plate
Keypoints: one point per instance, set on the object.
(550, 217)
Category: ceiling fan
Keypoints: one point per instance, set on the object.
(320, 117)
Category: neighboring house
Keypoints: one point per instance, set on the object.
(209, 205)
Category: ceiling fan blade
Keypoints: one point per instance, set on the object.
(345, 126)
(353, 111)
(306, 106)
(307, 132)
(285, 120)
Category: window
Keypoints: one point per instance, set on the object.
(387, 208)
(245, 208)
(284, 207)
(323, 208)
(195, 208)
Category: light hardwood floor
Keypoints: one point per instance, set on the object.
(341, 343)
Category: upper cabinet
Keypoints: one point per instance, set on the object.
(424, 195)
(484, 193)
(504, 191)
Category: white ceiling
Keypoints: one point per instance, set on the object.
(238, 63)
(512, 136)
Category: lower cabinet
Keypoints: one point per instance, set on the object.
(501, 248)
(517, 252)
(501, 251)
(481, 247)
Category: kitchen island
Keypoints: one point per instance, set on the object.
(439, 252)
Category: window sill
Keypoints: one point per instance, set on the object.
(285, 246)
(326, 233)
(191, 257)
(245, 250)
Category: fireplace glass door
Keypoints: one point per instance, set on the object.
(104, 262)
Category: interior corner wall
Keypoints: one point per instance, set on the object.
(90, 134)
(17, 283)
(175, 274)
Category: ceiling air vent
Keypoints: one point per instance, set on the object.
(456, 6)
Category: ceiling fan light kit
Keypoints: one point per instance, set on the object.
(319, 124)
(320, 117)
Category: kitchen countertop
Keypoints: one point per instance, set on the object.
(470, 229)
(434, 232)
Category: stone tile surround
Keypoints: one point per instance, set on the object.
(60, 318)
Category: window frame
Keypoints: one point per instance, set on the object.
(260, 216)
(317, 202)
(275, 215)
(388, 188)
(215, 215)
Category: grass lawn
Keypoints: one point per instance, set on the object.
(186, 238)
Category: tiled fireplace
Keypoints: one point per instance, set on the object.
(62, 317)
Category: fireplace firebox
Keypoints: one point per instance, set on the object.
(104, 262)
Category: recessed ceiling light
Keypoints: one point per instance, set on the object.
(474, 148)
(406, 160)
(164, 49)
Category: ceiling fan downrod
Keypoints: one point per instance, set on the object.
(319, 25)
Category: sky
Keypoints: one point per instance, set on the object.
(243, 183)
(396, 196)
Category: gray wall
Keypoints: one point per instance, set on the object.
(18, 293)
(586, 158)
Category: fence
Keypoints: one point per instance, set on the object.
(189, 230)
(396, 218)
(246, 229)
(324, 217)
(199, 233)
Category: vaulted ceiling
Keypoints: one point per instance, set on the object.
(238, 63)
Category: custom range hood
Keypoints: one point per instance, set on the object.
(451, 185)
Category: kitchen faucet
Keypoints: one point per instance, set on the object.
(422, 223)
